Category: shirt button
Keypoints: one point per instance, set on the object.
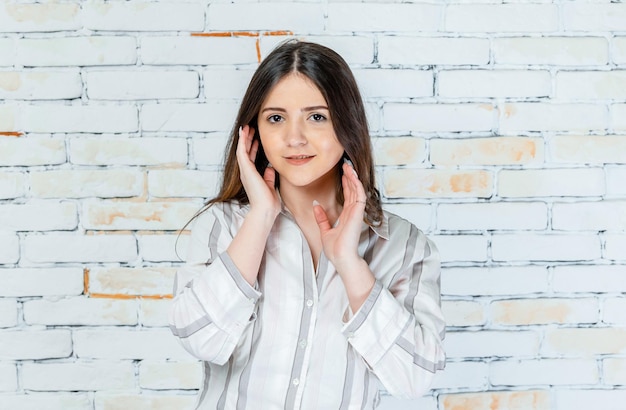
(303, 343)
(309, 302)
(295, 382)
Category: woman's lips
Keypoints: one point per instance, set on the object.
(299, 159)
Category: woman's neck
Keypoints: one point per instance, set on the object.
(299, 201)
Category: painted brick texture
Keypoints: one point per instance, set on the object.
(498, 128)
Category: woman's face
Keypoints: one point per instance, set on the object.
(297, 133)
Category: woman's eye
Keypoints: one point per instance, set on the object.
(317, 117)
(275, 118)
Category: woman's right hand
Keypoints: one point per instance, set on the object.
(261, 192)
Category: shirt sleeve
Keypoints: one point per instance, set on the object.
(399, 330)
(213, 304)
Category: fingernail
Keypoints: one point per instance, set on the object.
(269, 165)
(347, 161)
(240, 130)
(315, 202)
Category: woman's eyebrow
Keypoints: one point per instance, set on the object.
(312, 108)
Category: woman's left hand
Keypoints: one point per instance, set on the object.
(340, 243)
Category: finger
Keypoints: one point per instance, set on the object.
(356, 186)
(269, 176)
(321, 218)
(253, 150)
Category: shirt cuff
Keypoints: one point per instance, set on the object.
(377, 325)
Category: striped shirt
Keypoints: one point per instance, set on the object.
(292, 341)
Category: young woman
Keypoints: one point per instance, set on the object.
(299, 291)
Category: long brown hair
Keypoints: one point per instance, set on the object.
(333, 77)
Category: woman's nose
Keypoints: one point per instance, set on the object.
(295, 135)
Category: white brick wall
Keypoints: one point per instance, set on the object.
(499, 129)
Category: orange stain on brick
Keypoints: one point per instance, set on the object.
(531, 312)
(11, 133)
(468, 182)
(246, 34)
(523, 400)
(86, 281)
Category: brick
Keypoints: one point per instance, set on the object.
(118, 401)
(373, 114)
(615, 246)
(420, 215)
(39, 216)
(183, 183)
(394, 83)
(487, 151)
(351, 17)
(462, 375)
(163, 247)
(142, 85)
(147, 281)
(76, 51)
(619, 50)
(543, 372)
(613, 311)
(615, 177)
(8, 317)
(618, 116)
(545, 247)
(9, 118)
(539, 116)
(575, 182)
(78, 376)
(584, 342)
(589, 149)
(35, 344)
(128, 151)
(498, 400)
(614, 371)
(600, 278)
(41, 282)
(9, 247)
(221, 83)
(155, 312)
(12, 184)
(7, 51)
(502, 18)
(438, 117)
(494, 83)
(589, 216)
(492, 343)
(80, 311)
(433, 50)
(297, 17)
(189, 117)
(170, 375)
(589, 399)
(354, 48)
(118, 344)
(31, 151)
(399, 150)
(492, 216)
(48, 401)
(590, 85)
(114, 215)
(106, 183)
(463, 313)
(86, 118)
(560, 51)
(594, 17)
(39, 17)
(209, 150)
(40, 85)
(79, 248)
(544, 311)
(429, 183)
(8, 377)
(461, 248)
(178, 50)
(143, 16)
(494, 281)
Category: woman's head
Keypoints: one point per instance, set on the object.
(334, 79)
